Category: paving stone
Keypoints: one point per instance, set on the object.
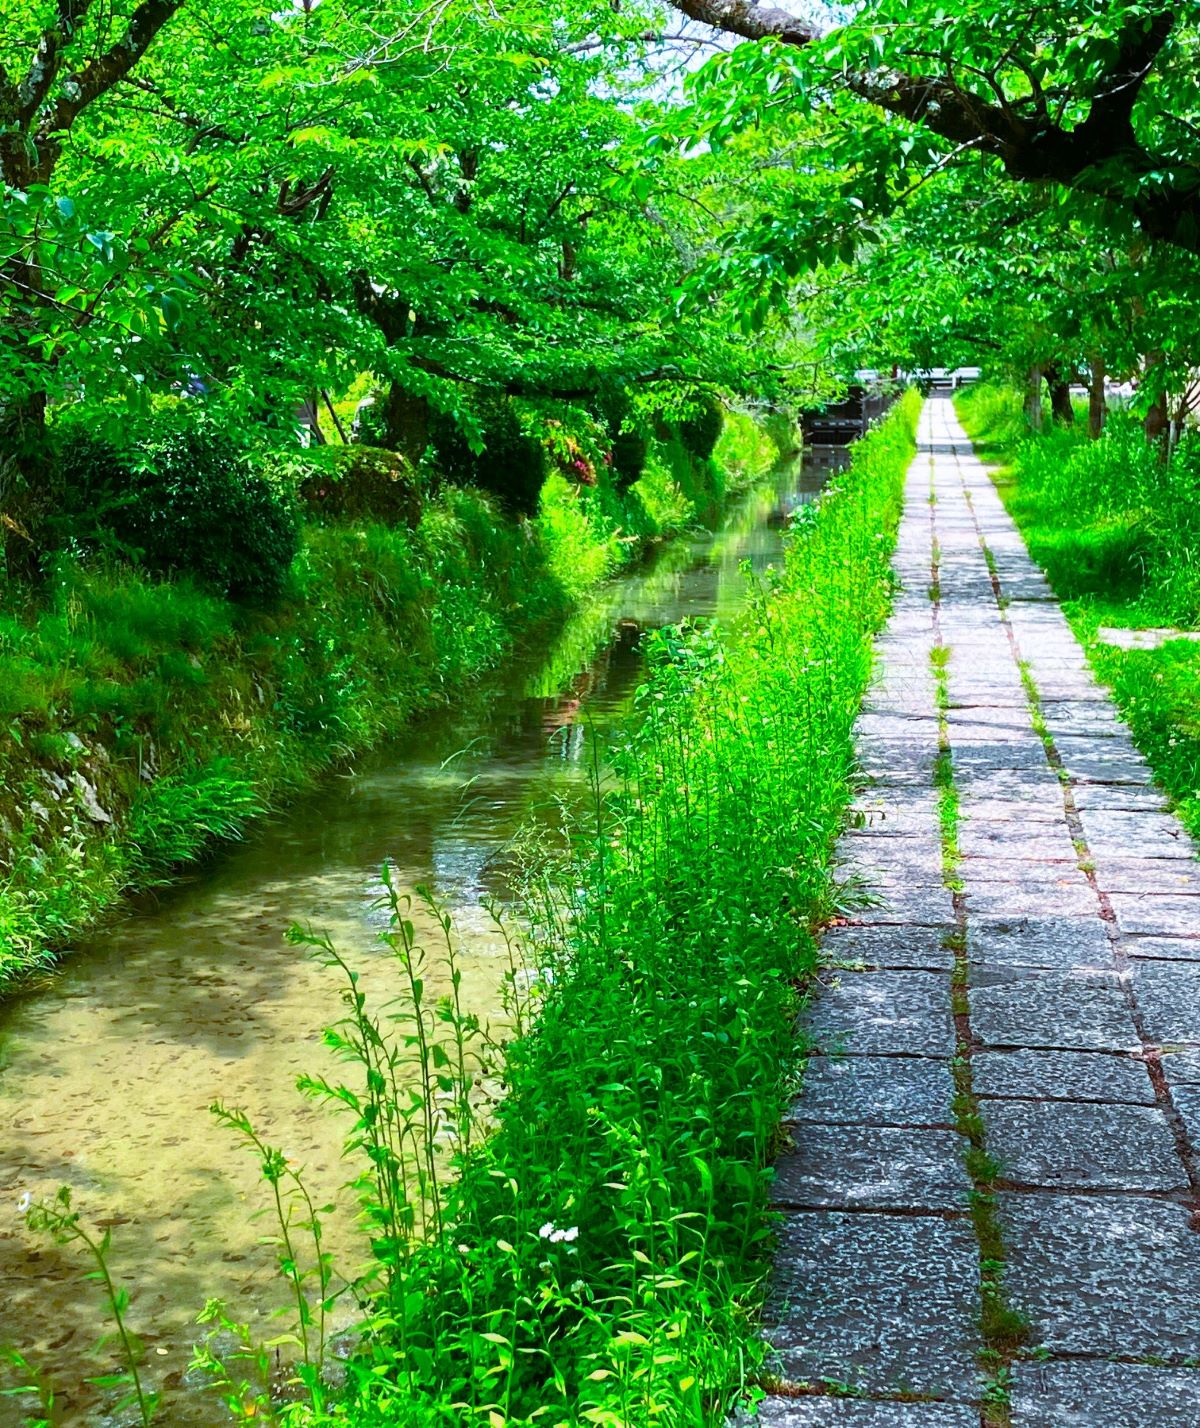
(1078, 1146)
(890, 947)
(871, 1167)
(1106, 759)
(1168, 994)
(906, 903)
(1186, 1099)
(1118, 797)
(879, 1301)
(1068, 895)
(1142, 875)
(876, 1090)
(813, 1412)
(1095, 1394)
(1166, 949)
(1062, 1075)
(1047, 808)
(1065, 943)
(1112, 833)
(885, 1013)
(1104, 1274)
(1181, 1065)
(983, 839)
(1082, 1011)
(1174, 914)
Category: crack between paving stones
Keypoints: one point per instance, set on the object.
(1151, 1050)
(1002, 1329)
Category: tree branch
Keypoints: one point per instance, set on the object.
(97, 77)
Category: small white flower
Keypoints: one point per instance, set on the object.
(547, 1232)
(24, 1203)
(571, 1234)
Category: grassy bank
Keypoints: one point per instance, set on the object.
(598, 1255)
(1117, 531)
(143, 718)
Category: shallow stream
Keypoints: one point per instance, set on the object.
(107, 1072)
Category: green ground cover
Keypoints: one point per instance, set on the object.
(142, 718)
(597, 1249)
(1117, 531)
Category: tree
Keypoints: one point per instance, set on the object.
(1098, 96)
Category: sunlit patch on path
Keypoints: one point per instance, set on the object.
(990, 1206)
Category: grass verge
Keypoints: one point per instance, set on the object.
(1118, 534)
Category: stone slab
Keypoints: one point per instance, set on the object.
(1066, 896)
(871, 1168)
(1066, 944)
(1142, 875)
(907, 902)
(890, 947)
(876, 1090)
(1112, 833)
(878, 1301)
(1169, 914)
(1168, 994)
(1045, 808)
(1119, 797)
(1063, 1076)
(982, 839)
(1104, 1274)
(1063, 1146)
(1083, 1011)
(885, 1013)
(1162, 949)
(815, 1412)
(1095, 1394)
(1103, 759)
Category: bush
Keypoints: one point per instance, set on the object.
(512, 465)
(701, 431)
(362, 483)
(630, 448)
(183, 502)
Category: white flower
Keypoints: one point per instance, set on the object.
(547, 1231)
(557, 1237)
(24, 1203)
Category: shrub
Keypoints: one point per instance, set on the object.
(362, 483)
(701, 430)
(183, 501)
(512, 465)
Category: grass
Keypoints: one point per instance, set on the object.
(143, 720)
(599, 1255)
(1118, 534)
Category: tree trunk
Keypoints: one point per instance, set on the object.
(24, 484)
(406, 422)
(1033, 399)
(1060, 396)
(1097, 402)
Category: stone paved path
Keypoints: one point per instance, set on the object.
(1046, 983)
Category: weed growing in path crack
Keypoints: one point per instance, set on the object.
(1003, 1329)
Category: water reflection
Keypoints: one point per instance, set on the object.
(106, 1076)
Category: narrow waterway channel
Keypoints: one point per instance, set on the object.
(107, 1072)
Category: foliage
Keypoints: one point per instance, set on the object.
(182, 500)
(600, 1255)
(360, 483)
(509, 463)
(59, 1221)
